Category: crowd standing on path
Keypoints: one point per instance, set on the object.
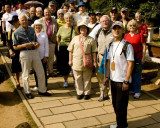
(80, 42)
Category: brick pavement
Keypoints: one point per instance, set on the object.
(63, 110)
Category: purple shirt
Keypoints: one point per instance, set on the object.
(49, 28)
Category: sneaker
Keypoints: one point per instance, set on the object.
(87, 97)
(44, 93)
(35, 89)
(137, 95)
(65, 85)
(29, 96)
(113, 126)
(103, 99)
(79, 97)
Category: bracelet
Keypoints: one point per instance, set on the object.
(126, 82)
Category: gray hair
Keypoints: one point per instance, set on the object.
(106, 17)
(38, 9)
(68, 14)
(22, 15)
(60, 11)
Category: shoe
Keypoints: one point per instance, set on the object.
(87, 97)
(44, 93)
(79, 97)
(29, 96)
(52, 74)
(18, 87)
(65, 85)
(131, 92)
(35, 89)
(137, 95)
(113, 126)
(103, 99)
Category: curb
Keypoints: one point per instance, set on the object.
(36, 120)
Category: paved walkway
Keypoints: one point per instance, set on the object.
(63, 110)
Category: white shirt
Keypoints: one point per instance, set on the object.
(94, 32)
(20, 11)
(6, 17)
(79, 17)
(92, 25)
(119, 74)
(43, 49)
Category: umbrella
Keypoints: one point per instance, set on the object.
(33, 3)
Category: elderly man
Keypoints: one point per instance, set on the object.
(29, 56)
(6, 26)
(50, 27)
(20, 10)
(52, 7)
(81, 15)
(32, 16)
(104, 38)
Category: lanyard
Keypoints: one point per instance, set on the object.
(115, 50)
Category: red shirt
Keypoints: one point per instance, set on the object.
(136, 42)
(143, 29)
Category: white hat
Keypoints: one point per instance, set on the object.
(38, 22)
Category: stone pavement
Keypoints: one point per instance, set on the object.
(63, 110)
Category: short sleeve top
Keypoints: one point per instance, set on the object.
(89, 47)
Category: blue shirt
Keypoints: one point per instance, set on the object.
(22, 36)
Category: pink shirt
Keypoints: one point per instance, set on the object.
(49, 28)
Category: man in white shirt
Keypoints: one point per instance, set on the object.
(81, 15)
(92, 20)
(20, 10)
(119, 69)
(6, 26)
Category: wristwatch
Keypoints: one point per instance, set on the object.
(126, 82)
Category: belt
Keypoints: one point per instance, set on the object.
(26, 49)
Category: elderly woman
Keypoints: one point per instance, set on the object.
(142, 28)
(43, 49)
(64, 36)
(39, 12)
(79, 47)
(16, 66)
(60, 21)
(139, 46)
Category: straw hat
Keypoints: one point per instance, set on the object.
(82, 23)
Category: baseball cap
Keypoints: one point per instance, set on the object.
(71, 1)
(117, 23)
(114, 9)
(124, 9)
(51, 3)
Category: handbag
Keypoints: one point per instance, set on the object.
(87, 58)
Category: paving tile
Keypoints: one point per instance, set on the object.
(58, 125)
(57, 118)
(48, 104)
(130, 106)
(89, 113)
(92, 104)
(108, 109)
(43, 112)
(153, 126)
(140, 122)
(145, 102)
(65, 109)
(107, 118)
(156, 116)
(35, 100)
(71, 101)
(86, 122)
(56, 97)
(142, 111)
(157, 106)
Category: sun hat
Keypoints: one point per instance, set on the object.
(14, 18)
(38, 22)
(81, 23)
(81, 4)
(117, 23)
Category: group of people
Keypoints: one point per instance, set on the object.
(79, 42)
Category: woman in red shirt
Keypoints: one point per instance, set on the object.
(139, 45)
(142, 28)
